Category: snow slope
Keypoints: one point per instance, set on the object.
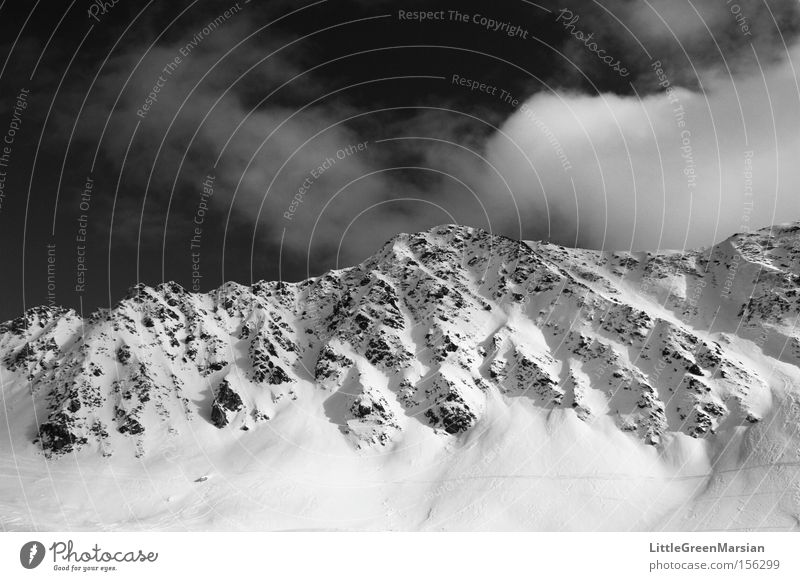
(454, 381)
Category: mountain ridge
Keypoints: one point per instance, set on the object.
(168, 302)
(433, 339)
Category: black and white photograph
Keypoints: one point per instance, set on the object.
(323, 267)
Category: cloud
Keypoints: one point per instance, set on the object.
(208, 119)
(658, 171)
(289, 174)
(689, 37)
(596, 170)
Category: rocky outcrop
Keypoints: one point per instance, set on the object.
(227, 403)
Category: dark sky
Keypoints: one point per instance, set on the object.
(247, 163)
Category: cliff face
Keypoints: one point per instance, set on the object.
(424, 334)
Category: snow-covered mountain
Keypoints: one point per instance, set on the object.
(455, 380)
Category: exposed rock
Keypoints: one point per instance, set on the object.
(447, 320)
(227, 403)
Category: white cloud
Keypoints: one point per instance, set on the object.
(629, 161)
